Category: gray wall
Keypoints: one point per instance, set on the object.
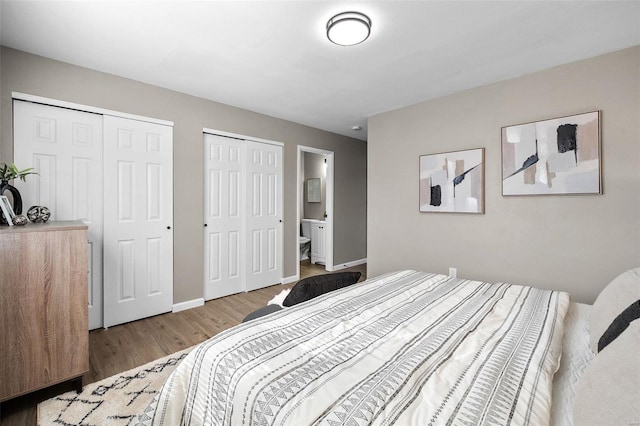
(314, 168)
(35, 75)
(572, 243)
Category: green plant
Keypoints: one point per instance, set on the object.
(11, 171)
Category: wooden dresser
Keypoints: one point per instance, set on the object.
(43, 306)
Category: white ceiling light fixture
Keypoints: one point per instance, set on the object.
(348, 28)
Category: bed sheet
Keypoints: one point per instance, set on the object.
(404, 348)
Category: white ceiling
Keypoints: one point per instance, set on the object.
(273, 57)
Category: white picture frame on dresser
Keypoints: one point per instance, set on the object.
(7, 210)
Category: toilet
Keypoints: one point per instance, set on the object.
(305, 239)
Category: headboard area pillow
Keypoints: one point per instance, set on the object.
(619, 325)
(611, 302)
(609, 390)
(310, 287)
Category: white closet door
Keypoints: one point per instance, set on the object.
(224, 216)
(138, 219)
(264, 215)
(65, 147)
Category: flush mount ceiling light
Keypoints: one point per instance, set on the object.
(348, 28)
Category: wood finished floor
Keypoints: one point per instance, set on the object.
(130, 345)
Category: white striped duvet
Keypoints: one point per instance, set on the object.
(405, 348)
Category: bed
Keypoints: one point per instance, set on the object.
(405, 348)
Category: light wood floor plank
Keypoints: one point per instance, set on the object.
(130, 345)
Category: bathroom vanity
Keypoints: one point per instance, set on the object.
(318, 246)
(314, 230)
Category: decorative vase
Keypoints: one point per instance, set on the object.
(17, 199)
(38, 214)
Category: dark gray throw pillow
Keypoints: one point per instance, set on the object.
(265, 310)
(315, 286)
(619, 324)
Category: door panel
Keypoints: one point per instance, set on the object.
(138, 222)
(224, 207)
(65, 147)
(243, 202)
(264, 220)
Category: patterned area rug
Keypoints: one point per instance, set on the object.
(117, 400)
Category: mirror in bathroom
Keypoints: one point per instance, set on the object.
(313, 190)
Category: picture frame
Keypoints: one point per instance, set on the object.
(7, 210)
(452, 182)
(558, 156)
(314, 190)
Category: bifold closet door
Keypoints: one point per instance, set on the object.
(264, 215)
(224, 216)
(243, 203)
(138, 219)
(64, 146)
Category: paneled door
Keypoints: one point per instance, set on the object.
(224, 216)
(243, 215)
(264, 215)
(138, 219)
(64, 146)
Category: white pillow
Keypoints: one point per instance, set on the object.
(279, 298)
(615, 298)
(609, 391)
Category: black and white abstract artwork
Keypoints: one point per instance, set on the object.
(557, 156)
(452, 182)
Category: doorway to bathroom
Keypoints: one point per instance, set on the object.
(315, 208)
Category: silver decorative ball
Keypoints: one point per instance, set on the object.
(20, 220)
(38, 214)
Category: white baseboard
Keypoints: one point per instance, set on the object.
(183, 306)
(349, 264)
(291, 279)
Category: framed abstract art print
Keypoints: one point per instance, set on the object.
(556, 156)
(452, 182)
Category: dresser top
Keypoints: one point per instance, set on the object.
(59, 225)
